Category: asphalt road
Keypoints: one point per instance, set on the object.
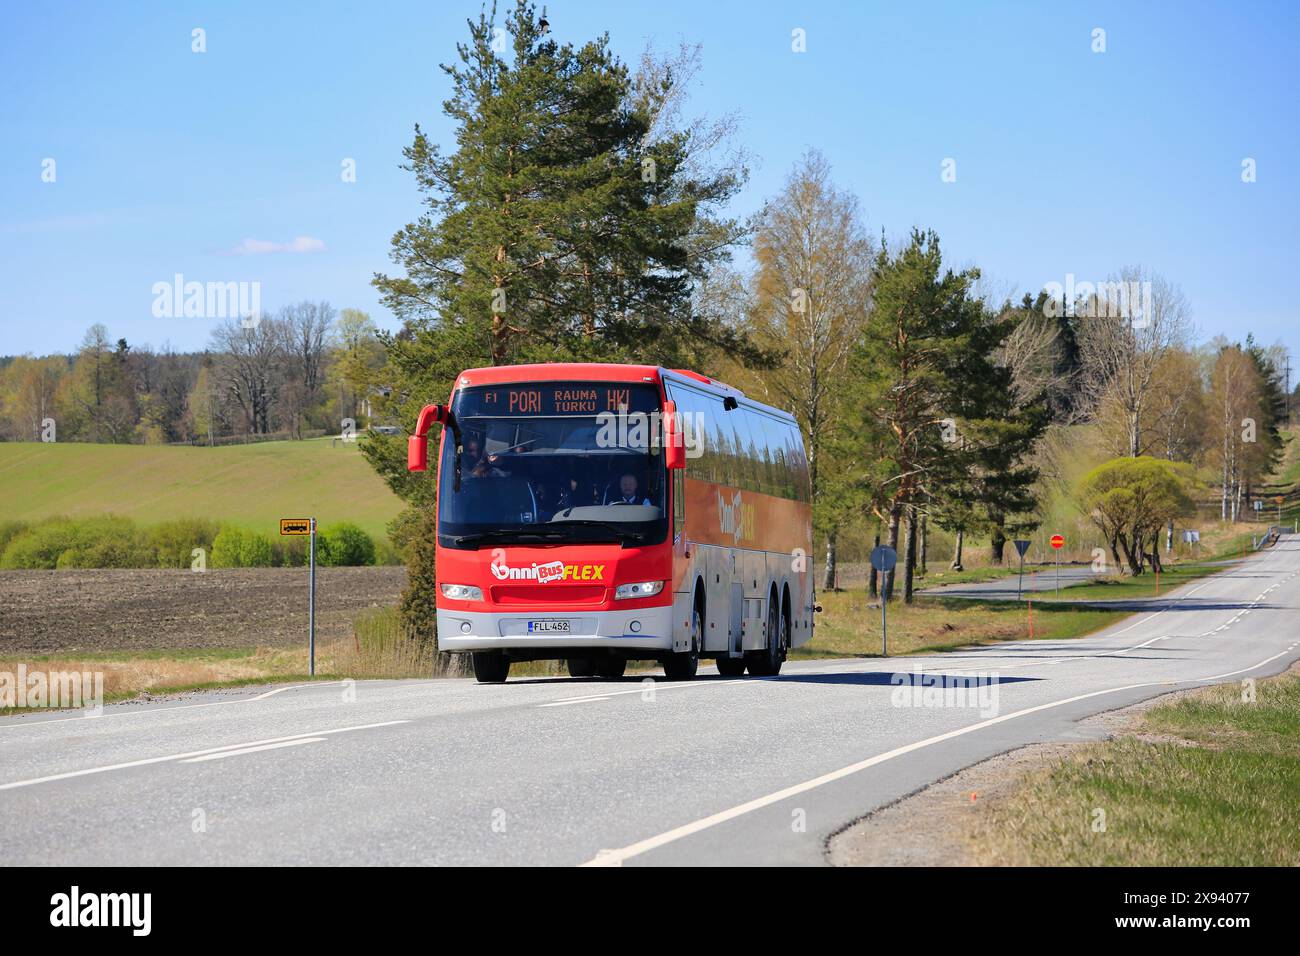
(1006, 588)
(1038, 582)
(559, 771)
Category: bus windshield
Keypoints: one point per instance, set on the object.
(553, 462)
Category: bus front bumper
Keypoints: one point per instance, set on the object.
(645, 628)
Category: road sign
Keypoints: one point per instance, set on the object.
(307, 526)
(883, 559)
(1022, 546)
(1058, 542)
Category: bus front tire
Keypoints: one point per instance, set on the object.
(491, 667)
(611, 668)
(581, 667)
(683, 665)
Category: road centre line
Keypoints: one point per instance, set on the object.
(167, 710)
(222, 755)
(193, 753)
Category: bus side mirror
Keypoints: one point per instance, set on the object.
(417, 446)
(674, 447)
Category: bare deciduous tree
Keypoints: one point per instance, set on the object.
(1125, 330)
(811, 298)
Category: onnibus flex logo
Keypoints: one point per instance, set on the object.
(545, 572)
(736, 517)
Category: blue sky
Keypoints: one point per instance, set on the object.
(1068, 161)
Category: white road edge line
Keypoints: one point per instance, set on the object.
(618, 856)
(193, 753)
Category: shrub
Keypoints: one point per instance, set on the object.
(291, 551)
(344, 544)
(237, 548)
(100, 542)
(176, 540)
(10, 530)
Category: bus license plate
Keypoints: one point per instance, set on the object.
(548, 627)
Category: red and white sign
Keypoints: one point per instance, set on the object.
(1058, 541)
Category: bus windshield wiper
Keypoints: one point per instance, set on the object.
(623, 533)
(514, 534)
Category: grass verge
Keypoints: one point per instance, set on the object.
(1207, 780)
(850, 627)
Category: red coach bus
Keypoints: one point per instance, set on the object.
(605, 513)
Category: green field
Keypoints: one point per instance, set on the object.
(252, 486)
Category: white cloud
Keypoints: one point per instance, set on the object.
(261, 247)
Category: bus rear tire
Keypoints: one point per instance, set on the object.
(768, 661)
(581, 667)
(491, 667)
(611, 668)
(731, 666)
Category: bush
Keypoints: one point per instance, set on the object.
(100, 542)
(291, 551)
(10, 530)
(344, 544)
(176, 540)
(237, 548)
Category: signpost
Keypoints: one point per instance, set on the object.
(1021, 547)
(1058, 542)
(883, 559)
(307, 526)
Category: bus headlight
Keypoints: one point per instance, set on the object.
(641, 589)
(462, 592)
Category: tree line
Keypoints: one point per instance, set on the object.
(301, 371)
(579, 215)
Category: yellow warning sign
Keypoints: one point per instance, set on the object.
(295, 526)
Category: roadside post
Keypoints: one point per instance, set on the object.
(1021, 547)
(1058, 542)
(883, 559)
(307, 526)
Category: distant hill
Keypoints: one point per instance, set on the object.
(249, 485)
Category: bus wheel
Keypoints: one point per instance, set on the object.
(581, 667)
(767, 662)
(611, 668)
(683, 665)
(731, 666)
(491, 667)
